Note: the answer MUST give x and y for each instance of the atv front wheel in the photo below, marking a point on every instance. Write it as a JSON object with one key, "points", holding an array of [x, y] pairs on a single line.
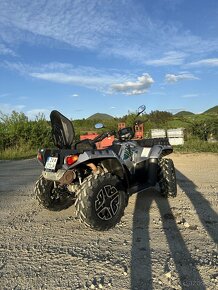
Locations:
{"points": [[167, 178], [101, 201], [52, 197]]}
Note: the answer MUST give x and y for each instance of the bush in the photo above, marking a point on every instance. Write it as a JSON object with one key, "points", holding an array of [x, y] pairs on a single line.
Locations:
{"points": [[20, 137], [17, 133], [196, 145], [204, 129]]}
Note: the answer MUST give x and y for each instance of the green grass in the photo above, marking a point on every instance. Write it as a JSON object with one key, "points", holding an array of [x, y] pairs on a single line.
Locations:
{"points": [[190, 146], [195, 145], [17, 153]]}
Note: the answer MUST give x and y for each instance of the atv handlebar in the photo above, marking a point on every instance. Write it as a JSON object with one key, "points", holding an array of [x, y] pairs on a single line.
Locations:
{"points": [[103, 135]]}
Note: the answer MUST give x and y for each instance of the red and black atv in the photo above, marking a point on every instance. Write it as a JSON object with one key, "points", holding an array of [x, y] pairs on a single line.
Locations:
{"points": [[100, 181]]}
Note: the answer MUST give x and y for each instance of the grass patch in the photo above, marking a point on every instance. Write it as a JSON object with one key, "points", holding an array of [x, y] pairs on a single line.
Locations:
{"points": [[190, 146], [196, 145], [18, 153]]}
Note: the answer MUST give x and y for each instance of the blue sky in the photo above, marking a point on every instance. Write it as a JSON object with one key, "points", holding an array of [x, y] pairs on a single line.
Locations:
{"points": [[110, 56]]}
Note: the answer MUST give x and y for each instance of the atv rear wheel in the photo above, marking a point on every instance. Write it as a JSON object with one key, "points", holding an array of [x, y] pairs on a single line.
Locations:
{"points": [[52, 197], [167, 178], [101, 201]]}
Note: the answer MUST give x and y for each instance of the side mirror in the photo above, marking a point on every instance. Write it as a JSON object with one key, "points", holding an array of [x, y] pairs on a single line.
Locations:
{"points": [[99, 126], [141, 109]]}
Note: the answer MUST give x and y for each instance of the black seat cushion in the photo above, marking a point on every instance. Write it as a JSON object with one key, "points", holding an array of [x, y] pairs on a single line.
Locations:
{"points": [[84, 145]]}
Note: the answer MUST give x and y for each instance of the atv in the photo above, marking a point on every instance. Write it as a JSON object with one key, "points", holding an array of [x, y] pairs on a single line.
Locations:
{"points": [[100, 181]]}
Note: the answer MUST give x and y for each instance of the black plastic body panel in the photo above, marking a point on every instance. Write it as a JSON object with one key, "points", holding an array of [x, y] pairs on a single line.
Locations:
{"points": [[60, 153]]}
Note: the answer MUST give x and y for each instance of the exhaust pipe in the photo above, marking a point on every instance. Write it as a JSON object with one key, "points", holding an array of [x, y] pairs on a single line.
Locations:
{"points": [[62, 176]]}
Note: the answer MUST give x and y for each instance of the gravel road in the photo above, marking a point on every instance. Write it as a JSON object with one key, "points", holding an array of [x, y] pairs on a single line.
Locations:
{"points": [[159, 244]]}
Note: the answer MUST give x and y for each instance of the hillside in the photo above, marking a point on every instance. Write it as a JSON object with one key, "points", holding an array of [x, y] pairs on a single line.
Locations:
{"points": [[183, 113], [213, 110], [100, 116]]}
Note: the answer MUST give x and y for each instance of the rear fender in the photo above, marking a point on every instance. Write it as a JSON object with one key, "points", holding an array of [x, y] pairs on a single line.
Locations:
{"points": [[113, 165], [107, 158], [92, 156]]}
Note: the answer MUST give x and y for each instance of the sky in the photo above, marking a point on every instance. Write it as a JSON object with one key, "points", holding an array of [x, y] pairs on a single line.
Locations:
{"points": [[109, 56]]}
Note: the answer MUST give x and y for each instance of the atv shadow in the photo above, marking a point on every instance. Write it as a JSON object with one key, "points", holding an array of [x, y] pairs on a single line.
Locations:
{"points": [[142, 255]]}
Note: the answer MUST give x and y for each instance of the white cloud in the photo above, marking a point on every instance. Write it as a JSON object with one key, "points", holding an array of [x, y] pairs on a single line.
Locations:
{"points": [[172, 78], [75, 95], [134, 88], [102, 28], [4, 95], [210, 62], [170, 58], [8, 108], [31, 114], [4, 50], [65, 78], [89, 77], [77, 23], [190, 96]]}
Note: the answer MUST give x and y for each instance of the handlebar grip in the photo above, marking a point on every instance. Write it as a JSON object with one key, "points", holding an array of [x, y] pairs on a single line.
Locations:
{"points": [[103, 136], [99, 138]]}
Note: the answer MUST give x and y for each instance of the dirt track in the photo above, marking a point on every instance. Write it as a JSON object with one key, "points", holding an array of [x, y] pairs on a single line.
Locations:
{"points": [[160, 244]]}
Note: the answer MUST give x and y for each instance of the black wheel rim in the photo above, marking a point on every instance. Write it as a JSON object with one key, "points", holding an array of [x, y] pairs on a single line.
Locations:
{"points": [[107, 202]]}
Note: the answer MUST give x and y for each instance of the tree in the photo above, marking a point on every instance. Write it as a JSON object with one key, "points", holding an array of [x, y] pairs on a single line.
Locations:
{"points": [[160, 117], [204, 129]]}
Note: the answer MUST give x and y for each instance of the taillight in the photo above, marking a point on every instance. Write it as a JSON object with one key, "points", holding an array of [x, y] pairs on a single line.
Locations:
{"points": [[40, 157], [71, 159]]}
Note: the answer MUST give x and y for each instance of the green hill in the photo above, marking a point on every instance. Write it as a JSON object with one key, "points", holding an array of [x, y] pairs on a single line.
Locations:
{"points": [[213, 110], [183, 113], [100, 116]]}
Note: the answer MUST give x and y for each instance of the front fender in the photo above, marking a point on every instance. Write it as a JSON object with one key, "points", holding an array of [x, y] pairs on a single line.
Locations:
{"points": [[160, 150]]}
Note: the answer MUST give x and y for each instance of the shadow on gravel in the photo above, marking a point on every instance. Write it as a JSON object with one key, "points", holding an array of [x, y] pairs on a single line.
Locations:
{"points": [[206, 214], [143, 258]]}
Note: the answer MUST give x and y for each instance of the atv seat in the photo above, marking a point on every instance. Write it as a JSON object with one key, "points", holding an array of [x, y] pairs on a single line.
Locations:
{"points": [[62, 130], [64, 136]]}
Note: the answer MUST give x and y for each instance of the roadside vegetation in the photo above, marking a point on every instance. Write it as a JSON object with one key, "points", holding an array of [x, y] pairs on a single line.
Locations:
{"points": [[21, 137]]}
